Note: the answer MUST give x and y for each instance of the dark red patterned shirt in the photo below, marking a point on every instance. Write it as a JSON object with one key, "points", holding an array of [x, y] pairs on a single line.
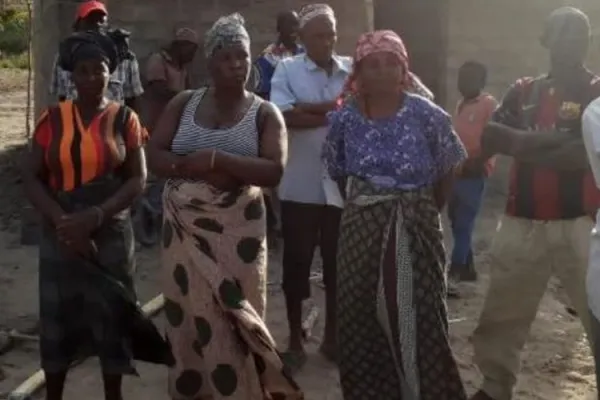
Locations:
{"points": [[543, 193]]}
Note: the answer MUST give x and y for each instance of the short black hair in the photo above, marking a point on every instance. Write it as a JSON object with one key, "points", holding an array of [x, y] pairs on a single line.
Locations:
{"points": [[284, 17], [476, 70]]}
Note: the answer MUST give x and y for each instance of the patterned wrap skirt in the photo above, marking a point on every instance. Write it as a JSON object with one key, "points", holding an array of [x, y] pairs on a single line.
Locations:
{"points": [[214, 263], [77, 313], [392, 321]]}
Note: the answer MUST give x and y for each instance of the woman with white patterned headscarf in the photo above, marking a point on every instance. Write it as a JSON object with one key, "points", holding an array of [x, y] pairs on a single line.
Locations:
{"points": [[218, 146]]}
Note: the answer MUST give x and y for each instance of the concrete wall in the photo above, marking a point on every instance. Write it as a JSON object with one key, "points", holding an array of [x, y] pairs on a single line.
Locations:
{"points": [[154, 21], [505, 36]]}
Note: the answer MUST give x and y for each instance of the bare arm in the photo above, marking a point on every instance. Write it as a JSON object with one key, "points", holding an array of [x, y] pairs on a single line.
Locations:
{"points": [[297, 116], [266, 170], [135, 172], [133, 169], [317, 108], [161, 161], [34, 175], [307, 116], [551, 148], [160, 90], [570, 155], [299, 119]]}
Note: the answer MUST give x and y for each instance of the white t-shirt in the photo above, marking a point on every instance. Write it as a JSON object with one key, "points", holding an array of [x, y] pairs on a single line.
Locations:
{"points": [[590, 126]]}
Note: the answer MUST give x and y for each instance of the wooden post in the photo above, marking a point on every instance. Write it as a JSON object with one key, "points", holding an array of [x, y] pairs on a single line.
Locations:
{"points": [[53, 20]]}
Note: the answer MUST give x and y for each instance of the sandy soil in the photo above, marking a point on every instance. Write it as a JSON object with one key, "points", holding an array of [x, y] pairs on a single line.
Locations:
{"points": [[556, 362]]}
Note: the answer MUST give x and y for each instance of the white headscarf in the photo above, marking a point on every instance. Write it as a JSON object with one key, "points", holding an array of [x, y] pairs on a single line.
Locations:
{"points": [[226, 31]]}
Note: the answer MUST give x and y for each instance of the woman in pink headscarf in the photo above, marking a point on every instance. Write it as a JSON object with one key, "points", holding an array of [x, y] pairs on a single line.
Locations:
{"points": [[394, 152]]}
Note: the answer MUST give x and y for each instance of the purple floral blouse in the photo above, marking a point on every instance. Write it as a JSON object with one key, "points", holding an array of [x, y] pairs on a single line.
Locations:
{"points": [[410, 150]]}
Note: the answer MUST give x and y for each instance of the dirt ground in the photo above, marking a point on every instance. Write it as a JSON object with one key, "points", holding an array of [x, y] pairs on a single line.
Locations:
{"points": [[556, 362]]}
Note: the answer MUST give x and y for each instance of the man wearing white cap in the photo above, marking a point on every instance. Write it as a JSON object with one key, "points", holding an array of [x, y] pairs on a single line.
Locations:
{"points": [[305, 87]]}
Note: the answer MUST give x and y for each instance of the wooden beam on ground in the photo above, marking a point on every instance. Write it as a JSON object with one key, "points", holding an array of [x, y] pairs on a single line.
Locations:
{"points": [[36, 381]]}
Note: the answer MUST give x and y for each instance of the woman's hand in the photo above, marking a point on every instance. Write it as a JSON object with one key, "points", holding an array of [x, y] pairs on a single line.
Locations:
{"points": [[79, 248], [199, 163], [74, 227], [222, 180]]}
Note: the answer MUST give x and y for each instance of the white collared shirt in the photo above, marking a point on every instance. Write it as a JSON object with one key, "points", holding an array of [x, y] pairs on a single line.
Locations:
{"points": [[299, 80], [590, 127]]}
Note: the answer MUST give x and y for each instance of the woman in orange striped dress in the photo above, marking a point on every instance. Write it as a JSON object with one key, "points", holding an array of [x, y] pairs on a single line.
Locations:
{"points": [[84, 168]]}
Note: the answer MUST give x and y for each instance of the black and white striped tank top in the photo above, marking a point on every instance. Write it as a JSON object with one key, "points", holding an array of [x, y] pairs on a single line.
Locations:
{"points": [[241, 139]]}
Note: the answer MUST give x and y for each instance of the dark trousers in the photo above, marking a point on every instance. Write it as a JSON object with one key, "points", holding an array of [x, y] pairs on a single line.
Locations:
{"points": [[271, 215], [304, 227]]}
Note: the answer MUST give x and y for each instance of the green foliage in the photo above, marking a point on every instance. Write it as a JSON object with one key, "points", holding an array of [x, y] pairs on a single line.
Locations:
{"points": [[15, 61], [14, 27]]}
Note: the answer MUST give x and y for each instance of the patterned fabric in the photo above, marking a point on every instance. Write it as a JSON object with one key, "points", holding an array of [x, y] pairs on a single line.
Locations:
{"points": [[76, 154], [411, 150], [76, 314], [385, 41], [392, 319], [264, 66], [227, 31], [312, 11], [542, 193], [214, 259], [124, 83]]}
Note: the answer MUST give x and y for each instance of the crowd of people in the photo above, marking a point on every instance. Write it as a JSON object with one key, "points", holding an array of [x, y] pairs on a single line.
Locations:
{"points": [[350, 155]]}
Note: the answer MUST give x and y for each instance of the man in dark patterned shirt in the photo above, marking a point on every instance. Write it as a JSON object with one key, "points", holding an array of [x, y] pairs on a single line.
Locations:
{"points": [[124, 86], [546, 229]]}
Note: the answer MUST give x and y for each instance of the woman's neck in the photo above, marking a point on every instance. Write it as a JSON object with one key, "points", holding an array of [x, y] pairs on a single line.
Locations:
{"points": [[91, 104], [382, 105], [225, 97]]}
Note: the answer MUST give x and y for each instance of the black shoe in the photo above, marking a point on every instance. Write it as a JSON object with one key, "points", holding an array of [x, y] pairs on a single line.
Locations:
{"points": [[463, 273], [452, 290]]}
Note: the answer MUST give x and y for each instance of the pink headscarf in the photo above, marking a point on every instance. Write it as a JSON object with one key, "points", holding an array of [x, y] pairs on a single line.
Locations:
{"points": [[386, 41]]}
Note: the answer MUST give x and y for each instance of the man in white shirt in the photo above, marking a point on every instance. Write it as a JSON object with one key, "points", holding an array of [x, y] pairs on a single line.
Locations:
{"points": [[305, 87], [590, 128]]}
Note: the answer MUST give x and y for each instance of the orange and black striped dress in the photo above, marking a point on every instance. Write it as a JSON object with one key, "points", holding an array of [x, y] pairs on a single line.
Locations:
{"points": [[76, 154], [82, 170]]}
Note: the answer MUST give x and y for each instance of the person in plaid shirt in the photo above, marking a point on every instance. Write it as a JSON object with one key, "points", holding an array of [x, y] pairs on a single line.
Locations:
{"points": [[124, 86]]}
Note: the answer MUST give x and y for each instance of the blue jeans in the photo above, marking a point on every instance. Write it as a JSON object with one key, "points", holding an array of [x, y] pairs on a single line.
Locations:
{"points": [[463, 207]]}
